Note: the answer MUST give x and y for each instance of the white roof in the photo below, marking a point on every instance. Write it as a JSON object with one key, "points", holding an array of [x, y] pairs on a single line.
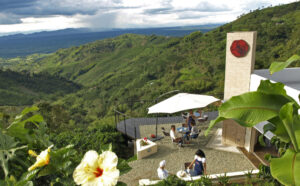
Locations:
{"points": [[288, 76]]}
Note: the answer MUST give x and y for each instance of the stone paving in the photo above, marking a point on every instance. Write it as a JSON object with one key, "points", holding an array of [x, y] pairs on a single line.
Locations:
{"points": [[218, 161]]}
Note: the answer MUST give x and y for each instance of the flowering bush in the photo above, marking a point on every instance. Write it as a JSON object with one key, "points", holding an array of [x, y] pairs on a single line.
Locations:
{"points": [[53, 165], [97, 169], [41, 160], [144, 142]]}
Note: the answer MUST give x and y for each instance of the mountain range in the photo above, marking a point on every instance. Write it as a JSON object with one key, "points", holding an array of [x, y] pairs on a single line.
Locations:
{"points": [[19, 45], [118, 72]]}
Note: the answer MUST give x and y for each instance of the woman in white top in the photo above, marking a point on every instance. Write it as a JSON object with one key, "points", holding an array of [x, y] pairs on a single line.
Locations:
{"points": [[200, 163], [161, 171], [174, 136]]}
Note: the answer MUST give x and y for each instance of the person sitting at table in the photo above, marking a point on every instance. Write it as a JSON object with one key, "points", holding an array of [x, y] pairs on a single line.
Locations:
{"points": [[187, 135], [194, 132], [191, 117], [174, 136], [200, 113], [162, 173], [200, 164]]}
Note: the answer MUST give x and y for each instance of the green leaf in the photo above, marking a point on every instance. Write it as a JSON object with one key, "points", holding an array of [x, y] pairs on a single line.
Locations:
{"points": [[123, 166], [59, 161], [286, 169], [106, 147], [266, 86], [8, 148], [253, 107], [27, 176], [17, 128], [291, 124], [250, 108], [269, 127], [277, 66], [213, 123], [280, 130], [48, 170], [29, 109], [261, 140]]}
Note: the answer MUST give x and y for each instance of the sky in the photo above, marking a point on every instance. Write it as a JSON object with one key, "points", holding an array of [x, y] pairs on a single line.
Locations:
{"points": [[27, 16]]}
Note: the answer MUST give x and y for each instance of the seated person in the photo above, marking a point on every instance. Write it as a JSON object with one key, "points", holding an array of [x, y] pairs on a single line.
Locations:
{"points": [[174, 136], [200, 113], [161, 171], [200, 164], [193, 129], [194, 132], [189, 119]]}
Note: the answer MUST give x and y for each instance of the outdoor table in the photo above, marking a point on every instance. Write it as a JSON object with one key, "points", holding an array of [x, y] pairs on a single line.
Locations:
{"points": [[182, 130]]}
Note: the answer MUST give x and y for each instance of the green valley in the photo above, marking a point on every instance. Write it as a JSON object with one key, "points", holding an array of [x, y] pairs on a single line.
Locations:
{"points": [[137, 67]]}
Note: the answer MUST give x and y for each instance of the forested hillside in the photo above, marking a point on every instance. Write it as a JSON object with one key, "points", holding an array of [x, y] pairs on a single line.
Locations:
{"points": [[23, 88], [134, 67]]}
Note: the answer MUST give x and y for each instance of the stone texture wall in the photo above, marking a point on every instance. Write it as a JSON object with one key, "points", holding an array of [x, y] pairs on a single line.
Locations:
{"points": [[237, 81]]}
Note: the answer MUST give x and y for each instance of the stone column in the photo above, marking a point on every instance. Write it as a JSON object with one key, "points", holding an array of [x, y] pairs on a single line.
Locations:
{"points": [[238, 71]]}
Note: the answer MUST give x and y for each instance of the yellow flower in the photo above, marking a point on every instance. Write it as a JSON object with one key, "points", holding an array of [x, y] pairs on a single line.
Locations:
{"points": [[41, 160], [97, 170], [32, 153]]}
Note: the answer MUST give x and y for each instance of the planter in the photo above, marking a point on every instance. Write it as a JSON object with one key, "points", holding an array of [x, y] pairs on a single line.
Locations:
{"points": [[146, 150]]}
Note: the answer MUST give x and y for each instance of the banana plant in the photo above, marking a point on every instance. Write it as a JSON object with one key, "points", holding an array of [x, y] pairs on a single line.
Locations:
{"points": [[270, 103]]}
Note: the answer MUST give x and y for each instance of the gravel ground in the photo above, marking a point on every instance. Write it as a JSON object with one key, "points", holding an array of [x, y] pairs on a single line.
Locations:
{"points": [[217, 161]]}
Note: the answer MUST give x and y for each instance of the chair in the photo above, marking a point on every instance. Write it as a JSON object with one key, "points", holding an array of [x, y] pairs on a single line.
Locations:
{"points": [[203, 119], [164, 132], [184, 115], [191, 138]]}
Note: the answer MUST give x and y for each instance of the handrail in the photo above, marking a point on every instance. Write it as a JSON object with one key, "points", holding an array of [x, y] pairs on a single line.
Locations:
{"points": [[121, 113]]}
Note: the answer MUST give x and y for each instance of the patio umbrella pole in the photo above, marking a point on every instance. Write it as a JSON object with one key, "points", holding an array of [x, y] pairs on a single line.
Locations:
{"points": [[156, 126]]}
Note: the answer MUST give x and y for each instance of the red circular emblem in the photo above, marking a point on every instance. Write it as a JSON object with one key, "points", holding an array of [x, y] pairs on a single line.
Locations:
{"points": [[239, 48]]}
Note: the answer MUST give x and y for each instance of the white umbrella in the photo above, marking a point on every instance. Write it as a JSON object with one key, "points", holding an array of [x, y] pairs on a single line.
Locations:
{"points": [[181, 102]]}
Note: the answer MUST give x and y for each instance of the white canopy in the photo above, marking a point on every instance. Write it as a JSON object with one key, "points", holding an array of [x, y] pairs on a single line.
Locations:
{"points": [[181, 102]]}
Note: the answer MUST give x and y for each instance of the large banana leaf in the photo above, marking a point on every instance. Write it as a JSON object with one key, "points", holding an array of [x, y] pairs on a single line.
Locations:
{"points": [[277, 66], [8, 147], [250, 108], [266, 86], [286, 169], [290, 119]]}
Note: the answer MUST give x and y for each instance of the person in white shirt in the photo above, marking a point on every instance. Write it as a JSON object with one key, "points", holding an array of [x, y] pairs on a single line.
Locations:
{"points": [[200, 164], [174, 136], [161, 171]]}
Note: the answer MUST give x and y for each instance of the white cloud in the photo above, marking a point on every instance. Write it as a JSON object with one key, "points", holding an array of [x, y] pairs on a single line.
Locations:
{"points": [[31, 24], [104, 14]]}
